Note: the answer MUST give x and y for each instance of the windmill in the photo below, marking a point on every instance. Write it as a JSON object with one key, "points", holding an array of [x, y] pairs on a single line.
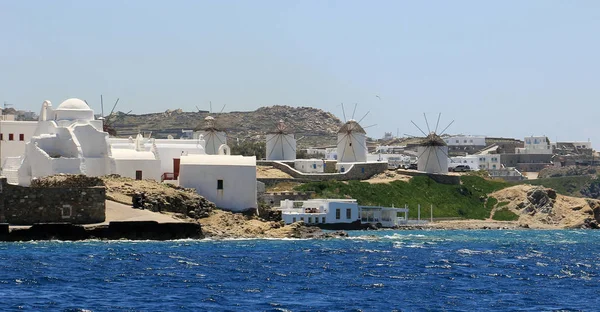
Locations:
{"points": [[432, 151], [110, 119], [212, 136], [281, 144], [352, 140]]}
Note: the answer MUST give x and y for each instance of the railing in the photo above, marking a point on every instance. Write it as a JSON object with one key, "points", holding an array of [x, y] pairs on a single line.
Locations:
{"points": [[168, 176]]}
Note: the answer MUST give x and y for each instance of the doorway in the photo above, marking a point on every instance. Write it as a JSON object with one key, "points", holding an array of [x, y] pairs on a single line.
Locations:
{"points": [[138, 174]]}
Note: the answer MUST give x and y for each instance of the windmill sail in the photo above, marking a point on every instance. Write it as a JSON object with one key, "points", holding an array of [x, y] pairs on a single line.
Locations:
{"points": [[212, 136]]}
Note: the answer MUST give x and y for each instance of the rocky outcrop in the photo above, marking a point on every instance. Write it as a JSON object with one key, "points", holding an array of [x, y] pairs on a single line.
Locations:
{"points": [[540, 207], [158, 196]]}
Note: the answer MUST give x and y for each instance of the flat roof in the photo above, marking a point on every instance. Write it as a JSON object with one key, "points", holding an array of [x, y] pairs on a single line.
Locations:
{"points": [[218, 160]]}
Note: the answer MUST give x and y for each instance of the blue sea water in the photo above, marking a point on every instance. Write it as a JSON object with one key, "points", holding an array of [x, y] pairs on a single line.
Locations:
{"points": [[371, 271]]}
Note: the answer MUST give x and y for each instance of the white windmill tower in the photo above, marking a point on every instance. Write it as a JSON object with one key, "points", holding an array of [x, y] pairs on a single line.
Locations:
{"points": [[352, 141], [432, 150], [214, 138], [281, 144]]}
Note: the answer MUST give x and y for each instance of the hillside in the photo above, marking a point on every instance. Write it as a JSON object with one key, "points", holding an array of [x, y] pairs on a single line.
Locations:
{"points": [[476, 198], [315, 127]]}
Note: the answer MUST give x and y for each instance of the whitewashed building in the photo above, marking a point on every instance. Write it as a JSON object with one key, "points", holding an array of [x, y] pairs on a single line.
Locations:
{"points": [[229, 181], [310, 165], [13, 136], [536, 145], [340, 211]]}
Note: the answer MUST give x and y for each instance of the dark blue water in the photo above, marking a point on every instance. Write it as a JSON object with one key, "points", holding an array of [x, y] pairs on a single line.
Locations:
{"points": [[408, 271]]}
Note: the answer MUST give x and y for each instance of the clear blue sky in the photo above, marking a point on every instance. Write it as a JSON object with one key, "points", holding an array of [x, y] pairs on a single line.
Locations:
{"points": [[503, 68]]}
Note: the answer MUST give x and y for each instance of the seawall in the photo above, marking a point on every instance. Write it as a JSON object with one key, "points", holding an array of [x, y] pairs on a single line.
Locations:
{"points": [[133, 230]]}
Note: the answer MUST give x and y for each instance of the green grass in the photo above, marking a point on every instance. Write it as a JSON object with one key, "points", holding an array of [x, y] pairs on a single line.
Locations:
{"points": [[490, 203], [466, 200], [570, 186], [501, 204], [505, 215]]}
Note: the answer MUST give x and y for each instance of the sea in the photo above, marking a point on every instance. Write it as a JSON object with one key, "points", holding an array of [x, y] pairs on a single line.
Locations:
{"points": [[445, 270]]}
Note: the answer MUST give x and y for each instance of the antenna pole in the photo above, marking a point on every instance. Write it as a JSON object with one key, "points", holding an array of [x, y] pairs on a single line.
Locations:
{"points": [[210, 103], [364, 116], [418, 128], [344, 112], [222, 108], [438, 122], [426, 122], [102, 105], [354, 111]]}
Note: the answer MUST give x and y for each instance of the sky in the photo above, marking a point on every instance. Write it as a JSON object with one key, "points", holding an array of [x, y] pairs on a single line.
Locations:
{"points": [[497, 68]]}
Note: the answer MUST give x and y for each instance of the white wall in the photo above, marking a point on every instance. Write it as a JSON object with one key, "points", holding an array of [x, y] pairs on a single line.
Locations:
{"points": [[352, 148], [309, 165], [325, 209], [16, 147], [433, 159], [536, 145], [465, 140], [471, 160], [281, 147], [127, 167], [202, 172], [490, 161]]}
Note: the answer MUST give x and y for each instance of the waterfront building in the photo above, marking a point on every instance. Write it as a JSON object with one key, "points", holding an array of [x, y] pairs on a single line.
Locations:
{"points": [[229, 181], [340, 211]]}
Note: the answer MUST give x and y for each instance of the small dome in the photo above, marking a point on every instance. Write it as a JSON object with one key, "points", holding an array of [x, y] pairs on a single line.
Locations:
{"points": [[73, 109], [73, 104], [207, 118]]}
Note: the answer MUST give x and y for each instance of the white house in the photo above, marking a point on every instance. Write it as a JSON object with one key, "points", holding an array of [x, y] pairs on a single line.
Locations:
{"points": [[470, 160], [13, 136], [536, 145], [137, 162], [170, 151], [340, 211], [465, 140], [229, 181], [310, 165], [325, 211], [489, 161]]}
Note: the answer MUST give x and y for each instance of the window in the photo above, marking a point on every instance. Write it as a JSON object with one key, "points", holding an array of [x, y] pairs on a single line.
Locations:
{"points": [[302, 219], [294, 220], [456, 141], [21, 137], [309, 219], [219, 184], [11, 136], [465, 141], [337, 214], [1, 136], [348, 213], [316, 219], [323, 220]]}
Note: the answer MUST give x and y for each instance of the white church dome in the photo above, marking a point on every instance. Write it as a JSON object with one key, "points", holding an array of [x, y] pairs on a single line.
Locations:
{"points": [[73, 109], [73, 104]]}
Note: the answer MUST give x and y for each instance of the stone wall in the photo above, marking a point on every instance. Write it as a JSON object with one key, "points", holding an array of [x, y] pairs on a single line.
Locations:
{"points": [[439, 178], [273, 199], [359, 171], [29, 205]]}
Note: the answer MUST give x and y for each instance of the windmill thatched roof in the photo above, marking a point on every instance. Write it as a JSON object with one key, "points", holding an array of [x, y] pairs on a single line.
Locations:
{"points": [[352, 126], [432, 140], [280, 128]]}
